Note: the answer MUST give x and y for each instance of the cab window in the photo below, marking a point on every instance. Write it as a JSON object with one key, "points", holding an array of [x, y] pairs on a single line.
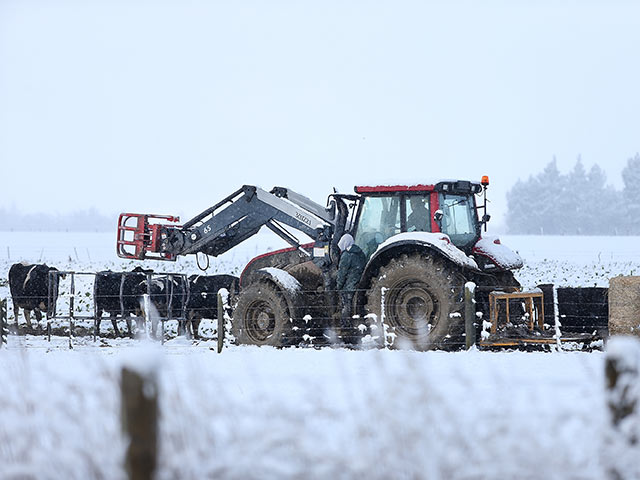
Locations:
{"points": [[458, 218], [379, 219], [418, 216]]}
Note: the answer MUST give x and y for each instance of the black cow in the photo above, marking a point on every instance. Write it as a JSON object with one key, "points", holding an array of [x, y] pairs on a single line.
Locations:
{"points": [[29, 286], [203, 298], [163, 291], [119, 294]]}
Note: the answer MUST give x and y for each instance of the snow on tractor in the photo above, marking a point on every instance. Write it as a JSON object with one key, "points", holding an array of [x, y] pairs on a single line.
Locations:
{"points": [[422, 244]]}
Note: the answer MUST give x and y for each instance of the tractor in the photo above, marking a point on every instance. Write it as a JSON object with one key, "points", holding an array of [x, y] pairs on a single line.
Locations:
{"points": [[422, 243]]}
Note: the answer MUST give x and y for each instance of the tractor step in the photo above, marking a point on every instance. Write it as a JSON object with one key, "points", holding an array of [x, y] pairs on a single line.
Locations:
{"points": [[139, 236]]}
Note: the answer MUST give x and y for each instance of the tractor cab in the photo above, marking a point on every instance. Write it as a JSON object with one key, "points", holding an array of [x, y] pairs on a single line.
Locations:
{"points": [[448, 207]]}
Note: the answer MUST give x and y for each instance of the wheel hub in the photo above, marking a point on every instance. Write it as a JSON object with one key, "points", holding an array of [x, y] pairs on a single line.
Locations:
{"points": [[412, 308], [260, 321], [418, 308]]}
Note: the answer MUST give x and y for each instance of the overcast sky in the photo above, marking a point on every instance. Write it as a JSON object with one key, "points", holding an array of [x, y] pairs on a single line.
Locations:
{"points": [[167, 107]]}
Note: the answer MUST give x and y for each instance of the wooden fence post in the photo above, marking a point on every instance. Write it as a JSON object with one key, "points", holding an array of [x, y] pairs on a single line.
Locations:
{"points": [[469, 314], [140, 422], [3, 322], [622, 441], [221, 322], [387, 337], [72, 299]]}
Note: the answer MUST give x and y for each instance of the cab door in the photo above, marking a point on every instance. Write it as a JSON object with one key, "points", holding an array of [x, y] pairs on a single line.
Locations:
{"points": [[378, 219]]}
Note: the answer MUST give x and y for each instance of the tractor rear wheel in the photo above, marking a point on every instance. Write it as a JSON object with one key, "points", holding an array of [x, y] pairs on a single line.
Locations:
{"points": [[261, 317], [420, 299]]}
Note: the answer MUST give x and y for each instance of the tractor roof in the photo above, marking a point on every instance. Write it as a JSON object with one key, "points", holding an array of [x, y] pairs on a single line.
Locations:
{"points": [[393, 188], [453, 186]]}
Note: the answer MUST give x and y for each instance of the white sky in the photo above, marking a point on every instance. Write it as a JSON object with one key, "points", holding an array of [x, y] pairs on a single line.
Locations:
{"points": [[168, 107]]}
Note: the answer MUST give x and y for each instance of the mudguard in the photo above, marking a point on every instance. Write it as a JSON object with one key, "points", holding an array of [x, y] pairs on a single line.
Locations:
{"points": [[288, 285], [499, 255], [437, 242]]}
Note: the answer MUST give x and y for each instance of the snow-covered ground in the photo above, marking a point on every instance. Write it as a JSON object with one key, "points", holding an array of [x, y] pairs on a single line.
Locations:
{"points": [[572, 261], [300, 413], [305, 413], [547, 258]]}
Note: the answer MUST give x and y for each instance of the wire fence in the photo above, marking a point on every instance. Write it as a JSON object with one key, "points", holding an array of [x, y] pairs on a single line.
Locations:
{"points": [[77, 302]]}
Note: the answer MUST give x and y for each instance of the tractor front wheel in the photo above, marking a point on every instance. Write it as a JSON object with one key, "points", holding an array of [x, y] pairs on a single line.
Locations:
{"points": [[261, 317]]}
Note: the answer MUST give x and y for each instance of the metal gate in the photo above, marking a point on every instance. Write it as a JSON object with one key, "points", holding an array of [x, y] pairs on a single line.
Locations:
{"points": [[167, 298]]}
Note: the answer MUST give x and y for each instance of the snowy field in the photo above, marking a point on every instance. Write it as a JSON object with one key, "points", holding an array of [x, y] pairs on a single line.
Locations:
{"points": [[565, 260], [252, 413], [302, 413]]}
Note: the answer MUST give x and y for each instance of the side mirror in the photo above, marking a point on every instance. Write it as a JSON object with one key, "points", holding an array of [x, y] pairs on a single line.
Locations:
{"points": [[437, 217], [331, 210], [485, 218]]}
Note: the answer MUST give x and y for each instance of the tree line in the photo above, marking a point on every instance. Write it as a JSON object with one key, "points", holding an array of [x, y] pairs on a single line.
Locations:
{"points": [[577, 203], [81, 221]]}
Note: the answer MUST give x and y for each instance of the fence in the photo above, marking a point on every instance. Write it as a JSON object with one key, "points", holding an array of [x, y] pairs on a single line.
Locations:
{"points": [[411, 318], [400, 319], [158, 297], [164, 291]]}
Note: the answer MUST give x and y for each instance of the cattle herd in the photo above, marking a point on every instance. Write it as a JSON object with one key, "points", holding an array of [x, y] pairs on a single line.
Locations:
{"points": [[123, 295]]}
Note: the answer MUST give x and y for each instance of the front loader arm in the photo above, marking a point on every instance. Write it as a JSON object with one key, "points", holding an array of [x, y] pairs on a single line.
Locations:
{"points": [[223, 226]]}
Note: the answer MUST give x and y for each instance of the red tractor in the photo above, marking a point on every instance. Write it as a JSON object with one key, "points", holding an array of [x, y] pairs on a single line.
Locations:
{"points": [[422, 244]]}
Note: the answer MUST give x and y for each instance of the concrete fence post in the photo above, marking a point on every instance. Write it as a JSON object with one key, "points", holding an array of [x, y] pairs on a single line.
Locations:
{"points": [[139, 409], [622, 438], [469, 315]]}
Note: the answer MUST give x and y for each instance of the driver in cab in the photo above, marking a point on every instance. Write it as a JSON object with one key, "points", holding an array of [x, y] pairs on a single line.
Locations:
{"points": [[418, 219]]}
